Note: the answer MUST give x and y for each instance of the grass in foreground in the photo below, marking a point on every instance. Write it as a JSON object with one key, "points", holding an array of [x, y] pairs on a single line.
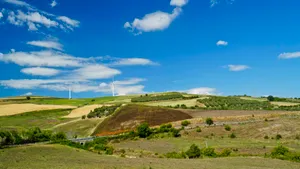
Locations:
{"points": [[62, 157], [42, 119]]}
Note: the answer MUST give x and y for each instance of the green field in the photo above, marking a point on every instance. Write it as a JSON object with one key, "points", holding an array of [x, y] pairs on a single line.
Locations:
{"points": [[57, 156], [43, 119], [81, 128]]}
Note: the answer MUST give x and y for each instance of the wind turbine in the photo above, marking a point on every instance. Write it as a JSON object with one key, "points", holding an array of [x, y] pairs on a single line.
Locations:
{"points": [[113, 87], [70, 93]]}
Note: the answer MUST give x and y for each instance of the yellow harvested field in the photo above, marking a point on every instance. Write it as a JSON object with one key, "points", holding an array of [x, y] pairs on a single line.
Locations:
{"points": [[12, 109], [189, 103], [85, 110], [284, 103]]}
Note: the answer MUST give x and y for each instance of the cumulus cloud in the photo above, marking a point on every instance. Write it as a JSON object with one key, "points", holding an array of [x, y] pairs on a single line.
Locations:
{"points": [[1, 15], [69, 21], [31, 19], [53, 4], [46, 44], [27, 94], [95, 72], [202, 90], [36, 18], [40, 71], [222, 43], [43, 58], [291, 55], [237, 68], [178, 3], [156, 21], [31, 83], [133, 61]]}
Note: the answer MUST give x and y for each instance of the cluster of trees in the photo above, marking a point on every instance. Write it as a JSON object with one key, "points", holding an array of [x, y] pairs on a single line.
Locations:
{"points": [[102, 111], [32, 135], [149, 98], [195, 152], [234, 103], [284, 153]]}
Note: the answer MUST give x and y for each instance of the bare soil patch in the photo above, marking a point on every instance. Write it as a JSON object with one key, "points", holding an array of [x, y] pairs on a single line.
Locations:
{"points": [[12, 109]]}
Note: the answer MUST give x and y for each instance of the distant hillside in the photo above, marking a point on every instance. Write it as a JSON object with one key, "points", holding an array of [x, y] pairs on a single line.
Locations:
{"points": [[129, 116]]}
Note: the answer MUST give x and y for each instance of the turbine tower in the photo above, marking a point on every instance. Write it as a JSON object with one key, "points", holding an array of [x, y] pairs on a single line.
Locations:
{"points": [[70, 93], [113, 87]]}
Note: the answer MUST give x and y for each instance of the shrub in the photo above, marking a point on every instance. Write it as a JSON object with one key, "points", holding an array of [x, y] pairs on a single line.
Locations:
{"points": [[175, 155], [232, 135], [185, 123], [278, 137], [198, 130], [209, 121], [193, 152], [227, 128], [60, 136], [266, 137], [144, 130], [183, 106], [175, 132], [165, 128], [28, 97], [83, 117], [280, 150], [209, 152], [225, 152], [109, 150]]}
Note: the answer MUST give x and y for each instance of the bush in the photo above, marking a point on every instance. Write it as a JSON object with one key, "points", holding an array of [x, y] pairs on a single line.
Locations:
{"points": [[270, 98], [57, 137], [209, 121], [227, 128], [109, 150], [280, 150], [185, 123], [83, 117], [103, 111], [144, 130], [193, 152], [266, 137], [198, 130], [209, 152], [278, 137], [175, 132], [232, 135], [225, 152], [165, 128], [175, 155], [28, 97]]}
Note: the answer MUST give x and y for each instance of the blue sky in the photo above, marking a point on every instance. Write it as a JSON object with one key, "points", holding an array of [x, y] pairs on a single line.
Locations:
{"points": [[206, 47]]}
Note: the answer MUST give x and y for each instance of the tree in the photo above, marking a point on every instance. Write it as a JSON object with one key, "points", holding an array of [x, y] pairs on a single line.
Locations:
{"points": [[209, 121], [270, 98], [83, 117], [185, 123], [144, 130], [28, 97], [194, 151]]}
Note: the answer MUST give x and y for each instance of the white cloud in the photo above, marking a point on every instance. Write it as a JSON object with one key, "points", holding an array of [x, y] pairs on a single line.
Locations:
{"points": [[222, 43], [18, 3], [31, 19], [202, 90], [1, 15], [69, 21], [237, 68], [216, 2], [95, 72], [43, 58], [131, 81], [133, 61], [53, 4], [153, 22], [213, 2], [36, 18], [179, 3], [125, 90], [40, 71], [30, 83], [27, 94], [12, 50], [292, 55], [47, 44]]}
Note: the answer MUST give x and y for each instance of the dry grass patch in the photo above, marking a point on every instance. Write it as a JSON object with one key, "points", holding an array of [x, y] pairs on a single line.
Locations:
{"points": [[13, 109], [85, 110]]}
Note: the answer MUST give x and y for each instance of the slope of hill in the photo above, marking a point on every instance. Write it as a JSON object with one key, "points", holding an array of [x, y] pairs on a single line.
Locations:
{"points": [[129, 116]]}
